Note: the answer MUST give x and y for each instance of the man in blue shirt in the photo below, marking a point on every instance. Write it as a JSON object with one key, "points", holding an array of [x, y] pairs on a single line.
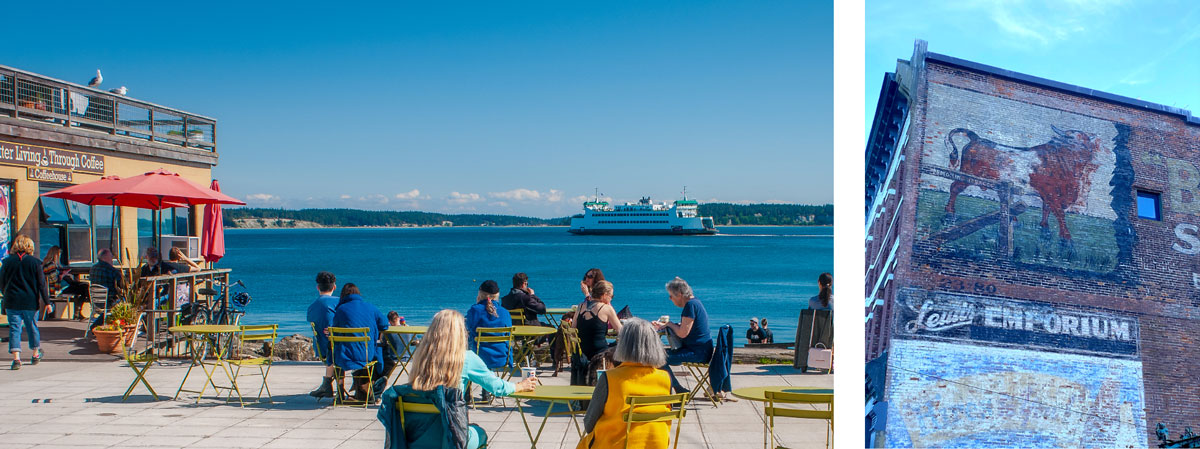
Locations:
{"points": [[355, 312], [692, 329], [320, 314]]}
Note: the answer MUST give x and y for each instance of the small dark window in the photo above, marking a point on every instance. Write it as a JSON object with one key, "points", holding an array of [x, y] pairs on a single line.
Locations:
{"points": [[1149, 205]]}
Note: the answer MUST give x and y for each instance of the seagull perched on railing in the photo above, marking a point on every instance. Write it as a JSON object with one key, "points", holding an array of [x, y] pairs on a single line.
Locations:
{"points": [[119, 91], [97, 80]]}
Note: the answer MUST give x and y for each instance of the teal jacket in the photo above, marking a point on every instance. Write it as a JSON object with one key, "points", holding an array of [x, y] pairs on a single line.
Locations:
{"points": [[445, 430]]}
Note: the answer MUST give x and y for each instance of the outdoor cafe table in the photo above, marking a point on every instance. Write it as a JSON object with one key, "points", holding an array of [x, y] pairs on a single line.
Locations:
{"points": [[407, 353], [198, 348], [552, 394], [553, 314], [528, 336]]}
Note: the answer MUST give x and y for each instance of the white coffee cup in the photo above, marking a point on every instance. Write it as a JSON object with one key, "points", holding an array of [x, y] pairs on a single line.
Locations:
{"points": [[664, 319]]}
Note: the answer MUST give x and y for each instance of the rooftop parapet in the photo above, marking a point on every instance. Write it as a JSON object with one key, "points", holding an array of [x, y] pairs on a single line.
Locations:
{"points": [[38, 98]]}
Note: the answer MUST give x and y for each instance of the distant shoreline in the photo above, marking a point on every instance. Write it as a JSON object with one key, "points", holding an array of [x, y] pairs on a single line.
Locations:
{"points": [[317, 226]]}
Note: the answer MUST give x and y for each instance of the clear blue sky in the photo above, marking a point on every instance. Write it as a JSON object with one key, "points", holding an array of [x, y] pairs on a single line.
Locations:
{"points": [[1149, 50], [504, 107]]}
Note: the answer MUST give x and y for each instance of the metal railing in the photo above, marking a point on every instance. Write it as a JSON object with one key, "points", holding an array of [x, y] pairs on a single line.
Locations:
{"points": [[34, 97]]}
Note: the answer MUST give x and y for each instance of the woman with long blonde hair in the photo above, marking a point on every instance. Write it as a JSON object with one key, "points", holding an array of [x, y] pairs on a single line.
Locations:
{"points": [[442, 359]]}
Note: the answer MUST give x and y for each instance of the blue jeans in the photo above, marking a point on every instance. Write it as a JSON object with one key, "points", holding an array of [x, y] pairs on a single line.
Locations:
{"points": [[23, 319], [695, 354]]}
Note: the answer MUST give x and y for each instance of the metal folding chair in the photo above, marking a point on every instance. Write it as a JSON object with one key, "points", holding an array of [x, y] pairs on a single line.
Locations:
{"points": [[98, 298], [638, 413], [139, 362], [517, 315], [351, 336], [771, 410], [256, 333], [498, 335], [699, 371]]}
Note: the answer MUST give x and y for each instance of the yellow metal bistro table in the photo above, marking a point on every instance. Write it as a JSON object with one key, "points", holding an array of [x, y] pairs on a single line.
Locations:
{"points": [[407, 353], [198, 341], [552, 394], [529, 336], [760, 393]]}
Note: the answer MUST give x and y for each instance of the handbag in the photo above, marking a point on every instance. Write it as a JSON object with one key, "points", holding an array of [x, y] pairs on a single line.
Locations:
{"points": [[818, 358]]}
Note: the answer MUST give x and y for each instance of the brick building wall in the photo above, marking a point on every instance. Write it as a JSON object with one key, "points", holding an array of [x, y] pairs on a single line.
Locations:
{"points": [[1079, 311]]}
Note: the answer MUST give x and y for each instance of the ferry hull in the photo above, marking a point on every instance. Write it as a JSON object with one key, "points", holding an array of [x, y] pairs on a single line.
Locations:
{"points": [[642, 231]]}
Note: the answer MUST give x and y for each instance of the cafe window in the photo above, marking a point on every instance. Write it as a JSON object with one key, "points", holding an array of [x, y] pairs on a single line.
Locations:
{"points": [[173, 221], [72, 227]]}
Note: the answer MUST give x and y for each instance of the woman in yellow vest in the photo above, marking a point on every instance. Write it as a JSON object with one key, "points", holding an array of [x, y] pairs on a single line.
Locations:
{"points": [[640, 353]]}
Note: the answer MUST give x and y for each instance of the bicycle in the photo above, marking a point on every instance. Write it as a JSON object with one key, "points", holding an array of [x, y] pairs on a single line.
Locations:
{"points": [[193, 313]]}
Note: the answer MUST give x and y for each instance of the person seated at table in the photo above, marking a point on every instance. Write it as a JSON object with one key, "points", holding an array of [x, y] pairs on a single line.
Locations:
{"points": [[393, 344], [590, 278], [696, 343], [483, 314], [155, 266], [768, 336], [443, 360], [640, 354], [755, 334], [521, 297], [592, 319], [354, 311], [60, 281], [105, 274], [320, 314], [181, 263]]}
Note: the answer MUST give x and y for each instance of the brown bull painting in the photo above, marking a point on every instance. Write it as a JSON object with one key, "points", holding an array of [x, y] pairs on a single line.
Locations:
{"points": [[1058, 171]]}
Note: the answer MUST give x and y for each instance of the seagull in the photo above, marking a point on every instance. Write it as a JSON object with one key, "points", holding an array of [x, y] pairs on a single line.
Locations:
{"points": [[97, 80], [119, 91]]}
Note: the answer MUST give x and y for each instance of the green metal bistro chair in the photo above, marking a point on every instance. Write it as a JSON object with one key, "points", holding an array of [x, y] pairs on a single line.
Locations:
{"points": [[699, 371], [417, 407], [771, 410], [498, 335], [677, 412], [139, 362], [351, 336], [265, 333], [517, 315]]}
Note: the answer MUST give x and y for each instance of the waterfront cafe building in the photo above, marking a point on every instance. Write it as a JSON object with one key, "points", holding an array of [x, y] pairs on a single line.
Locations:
{"points": [[54, 134]]}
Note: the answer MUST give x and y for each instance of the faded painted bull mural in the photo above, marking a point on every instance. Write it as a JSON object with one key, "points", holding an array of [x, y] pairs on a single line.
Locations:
{"points": [[1037, 186]]}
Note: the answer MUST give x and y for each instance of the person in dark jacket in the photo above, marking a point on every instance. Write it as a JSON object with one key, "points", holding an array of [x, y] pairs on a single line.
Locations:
{"points": [[355, 311], [768, 336], [25, 293], [320, 314], [755, 334], [521, 297]]}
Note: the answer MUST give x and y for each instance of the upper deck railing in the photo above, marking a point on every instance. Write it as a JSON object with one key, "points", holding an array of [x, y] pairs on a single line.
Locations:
{"points": [[35, 97]]}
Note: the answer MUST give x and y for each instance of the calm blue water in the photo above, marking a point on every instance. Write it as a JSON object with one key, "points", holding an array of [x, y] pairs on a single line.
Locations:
{"points": [[768, 272]]}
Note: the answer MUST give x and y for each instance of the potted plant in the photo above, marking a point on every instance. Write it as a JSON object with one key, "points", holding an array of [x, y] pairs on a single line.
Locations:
{"points": [[108, 337], [121, 315]]}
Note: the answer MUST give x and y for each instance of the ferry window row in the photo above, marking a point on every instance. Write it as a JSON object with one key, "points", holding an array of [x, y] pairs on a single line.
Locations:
{"points": [[632, 221], [637, 215]]}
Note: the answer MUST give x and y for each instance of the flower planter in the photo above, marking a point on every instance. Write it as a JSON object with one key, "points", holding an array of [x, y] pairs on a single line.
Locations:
{"points": [[108, 341]]}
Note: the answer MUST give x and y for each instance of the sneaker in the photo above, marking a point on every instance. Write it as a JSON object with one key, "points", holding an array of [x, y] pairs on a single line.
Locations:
{"points": [[37, 357], [16, 365]]}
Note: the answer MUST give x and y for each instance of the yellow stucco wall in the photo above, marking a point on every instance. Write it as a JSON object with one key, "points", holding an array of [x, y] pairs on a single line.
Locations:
{"points": [[124, 165]]}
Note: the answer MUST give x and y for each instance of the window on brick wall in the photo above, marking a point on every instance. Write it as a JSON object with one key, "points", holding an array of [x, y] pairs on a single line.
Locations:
{"points": [[1149, 205]]}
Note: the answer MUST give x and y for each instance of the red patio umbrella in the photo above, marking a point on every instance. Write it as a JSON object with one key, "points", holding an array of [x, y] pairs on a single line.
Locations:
{"points": [[212, 237], [154, 190]]}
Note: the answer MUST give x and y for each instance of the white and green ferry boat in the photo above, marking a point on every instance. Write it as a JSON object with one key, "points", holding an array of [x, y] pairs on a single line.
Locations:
{"points": [[642, 218]]}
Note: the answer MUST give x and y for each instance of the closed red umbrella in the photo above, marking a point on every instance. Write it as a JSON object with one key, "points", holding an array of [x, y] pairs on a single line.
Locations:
{"points": [[212, 237]]}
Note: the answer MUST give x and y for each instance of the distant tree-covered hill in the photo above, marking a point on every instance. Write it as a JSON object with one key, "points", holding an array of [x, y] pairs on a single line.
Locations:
{"points": [[722, 213], [768, 214]]}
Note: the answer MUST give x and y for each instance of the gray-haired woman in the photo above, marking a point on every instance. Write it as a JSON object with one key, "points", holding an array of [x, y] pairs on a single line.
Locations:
{"points": [[696, 343], [640, 352]]}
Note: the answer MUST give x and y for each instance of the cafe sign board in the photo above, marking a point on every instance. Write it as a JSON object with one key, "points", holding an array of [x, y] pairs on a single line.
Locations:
{"points": [[37, 156], [47, 175]]}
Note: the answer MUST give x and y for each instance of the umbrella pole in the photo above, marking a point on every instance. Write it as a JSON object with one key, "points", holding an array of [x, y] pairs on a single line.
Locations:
{"points": [[112, 229]]}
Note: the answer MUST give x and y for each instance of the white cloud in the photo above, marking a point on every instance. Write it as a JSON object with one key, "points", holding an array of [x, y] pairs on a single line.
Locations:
{"points": [[579, 199], [463, 198], [499, 203], [261, 197], [552, 195], [409, 195], [345, 197]]}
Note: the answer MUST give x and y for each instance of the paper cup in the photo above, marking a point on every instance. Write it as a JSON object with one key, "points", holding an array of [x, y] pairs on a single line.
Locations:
{"points": [[664, 319], [527, 371]]}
